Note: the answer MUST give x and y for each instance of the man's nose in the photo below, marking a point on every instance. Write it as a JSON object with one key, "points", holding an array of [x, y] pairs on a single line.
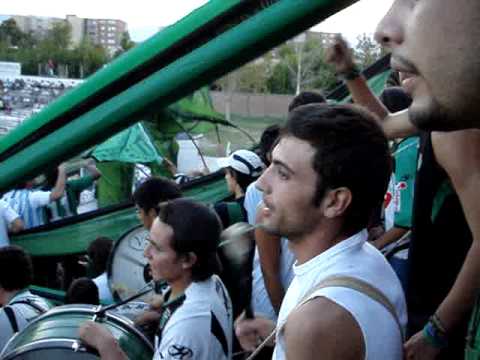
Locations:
{"points": [[390, 32]]}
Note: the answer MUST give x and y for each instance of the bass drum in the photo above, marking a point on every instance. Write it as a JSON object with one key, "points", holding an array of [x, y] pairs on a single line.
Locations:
{"points": [[128, 270], [131, 310], [54, 336]]}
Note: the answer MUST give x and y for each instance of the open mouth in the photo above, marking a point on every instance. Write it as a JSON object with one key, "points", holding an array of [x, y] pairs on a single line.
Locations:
{"points": [[266, 209], [408, 74]]}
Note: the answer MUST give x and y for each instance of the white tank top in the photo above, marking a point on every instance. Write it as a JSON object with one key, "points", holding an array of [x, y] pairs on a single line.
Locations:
{"points": [[353, 257]]}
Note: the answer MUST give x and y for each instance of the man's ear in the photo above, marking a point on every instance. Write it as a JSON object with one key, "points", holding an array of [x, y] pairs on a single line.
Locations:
{"points": [[336, 202], [152, 214], [189, 260]]}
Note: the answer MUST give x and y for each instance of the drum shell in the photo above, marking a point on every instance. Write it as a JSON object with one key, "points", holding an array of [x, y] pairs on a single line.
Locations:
{"points": [[58, 329]]}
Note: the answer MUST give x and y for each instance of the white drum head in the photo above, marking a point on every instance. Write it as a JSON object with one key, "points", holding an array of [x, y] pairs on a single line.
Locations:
{"points": [[128, 270]]}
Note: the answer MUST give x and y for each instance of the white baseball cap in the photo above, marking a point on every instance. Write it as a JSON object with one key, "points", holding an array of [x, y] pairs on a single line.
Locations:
{"points": [[243, 161]]}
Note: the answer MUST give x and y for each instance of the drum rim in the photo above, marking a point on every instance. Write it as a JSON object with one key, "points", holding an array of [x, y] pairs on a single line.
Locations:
{"points": [[90, 309], [60, 343], [110, 257]]}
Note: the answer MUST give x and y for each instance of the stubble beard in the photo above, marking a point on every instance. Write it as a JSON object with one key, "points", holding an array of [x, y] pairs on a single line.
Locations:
{"points": [[436, 117]]}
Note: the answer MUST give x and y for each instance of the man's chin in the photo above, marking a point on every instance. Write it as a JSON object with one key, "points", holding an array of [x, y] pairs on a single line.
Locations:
{"points": [[433, 117], [271, 228]]}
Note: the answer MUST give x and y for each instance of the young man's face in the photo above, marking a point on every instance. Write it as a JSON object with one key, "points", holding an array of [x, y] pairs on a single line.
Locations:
{"points": [[146, 218], [436, 43], [165, 264], [288, 187], [230, 179]]}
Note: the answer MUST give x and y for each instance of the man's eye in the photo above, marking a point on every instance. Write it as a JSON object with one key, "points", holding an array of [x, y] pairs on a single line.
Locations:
{"points": [[282, 174]]}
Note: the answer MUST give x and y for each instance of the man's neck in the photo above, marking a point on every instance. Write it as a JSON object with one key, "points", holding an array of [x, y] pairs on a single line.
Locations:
{"points": [[239, 193], [7, 296], [179, 286], [313, 244]]}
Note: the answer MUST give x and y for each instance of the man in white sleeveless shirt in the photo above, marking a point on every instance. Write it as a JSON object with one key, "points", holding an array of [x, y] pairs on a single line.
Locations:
{"points": [[329, 171]]}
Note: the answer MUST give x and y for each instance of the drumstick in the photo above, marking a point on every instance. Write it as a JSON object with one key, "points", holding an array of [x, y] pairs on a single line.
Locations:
{"points": [[103, 309]]}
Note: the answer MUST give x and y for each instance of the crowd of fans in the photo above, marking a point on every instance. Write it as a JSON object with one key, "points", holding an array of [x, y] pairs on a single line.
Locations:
{"points": [[375, 205], [20, 97]]}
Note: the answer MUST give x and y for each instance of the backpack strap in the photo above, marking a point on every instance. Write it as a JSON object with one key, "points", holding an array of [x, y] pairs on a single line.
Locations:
{"points": [[357, 285], [11, 317]]}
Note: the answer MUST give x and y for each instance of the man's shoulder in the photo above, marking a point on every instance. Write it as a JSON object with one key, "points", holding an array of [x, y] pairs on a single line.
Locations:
{"points": [[321, 318]]}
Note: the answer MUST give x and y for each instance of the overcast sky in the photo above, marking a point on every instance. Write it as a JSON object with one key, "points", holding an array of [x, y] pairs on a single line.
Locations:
{"points": [[144, 17]]}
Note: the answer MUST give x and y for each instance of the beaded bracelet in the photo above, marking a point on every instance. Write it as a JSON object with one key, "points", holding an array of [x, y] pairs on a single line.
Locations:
{"points": [[435, 335]]}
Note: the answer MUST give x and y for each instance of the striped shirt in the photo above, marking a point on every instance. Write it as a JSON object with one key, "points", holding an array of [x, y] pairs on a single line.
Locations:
{"points": [[28, 204]]}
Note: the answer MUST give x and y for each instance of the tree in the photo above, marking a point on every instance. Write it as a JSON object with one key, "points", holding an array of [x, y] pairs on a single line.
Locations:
{"points": [[126, 43], [88, 58], [10, 33], [367, 51], [300, 66]]}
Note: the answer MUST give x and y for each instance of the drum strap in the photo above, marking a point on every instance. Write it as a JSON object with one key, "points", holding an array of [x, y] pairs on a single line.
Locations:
{"points": [[11, 317], [167, 311], [11, 313], [32, 304], [218, 332]]}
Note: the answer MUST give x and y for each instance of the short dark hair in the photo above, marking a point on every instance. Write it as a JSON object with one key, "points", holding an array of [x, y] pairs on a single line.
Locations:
{"points": [[82, 291], [351, 150], [154, 191], [395, 99], [196, 228], [98, 251], [267, 141], [243, 180], [16, 269], [305, 98]]}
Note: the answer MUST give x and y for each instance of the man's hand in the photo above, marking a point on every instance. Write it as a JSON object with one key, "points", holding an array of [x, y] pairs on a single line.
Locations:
{"points": [[375, 232], [98, 337], [95, 335], [340, 55], [153, 315], [251, 332], [417, 347]]}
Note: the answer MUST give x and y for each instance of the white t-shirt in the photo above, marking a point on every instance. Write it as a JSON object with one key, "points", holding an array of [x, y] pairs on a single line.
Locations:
{"points": [[24, 313], [202, 327], [353, 257], [253, 196], [7, 216], [103, 290], [28, 204], [260, 300]]}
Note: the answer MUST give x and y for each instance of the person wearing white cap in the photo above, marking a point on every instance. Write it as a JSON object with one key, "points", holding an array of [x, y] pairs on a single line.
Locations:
{"points": [[242, 168]]}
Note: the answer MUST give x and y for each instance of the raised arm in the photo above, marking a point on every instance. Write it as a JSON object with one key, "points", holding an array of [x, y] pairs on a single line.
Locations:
{"points": [[59, 188], [16, 226], [92, 169], [394, 125], [459, 154]]}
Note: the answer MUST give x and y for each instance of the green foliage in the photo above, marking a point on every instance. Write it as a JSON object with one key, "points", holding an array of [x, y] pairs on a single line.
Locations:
{"points": [[126, 44], [367, 51], [55, 47], [10, 34], [291, 67]]}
